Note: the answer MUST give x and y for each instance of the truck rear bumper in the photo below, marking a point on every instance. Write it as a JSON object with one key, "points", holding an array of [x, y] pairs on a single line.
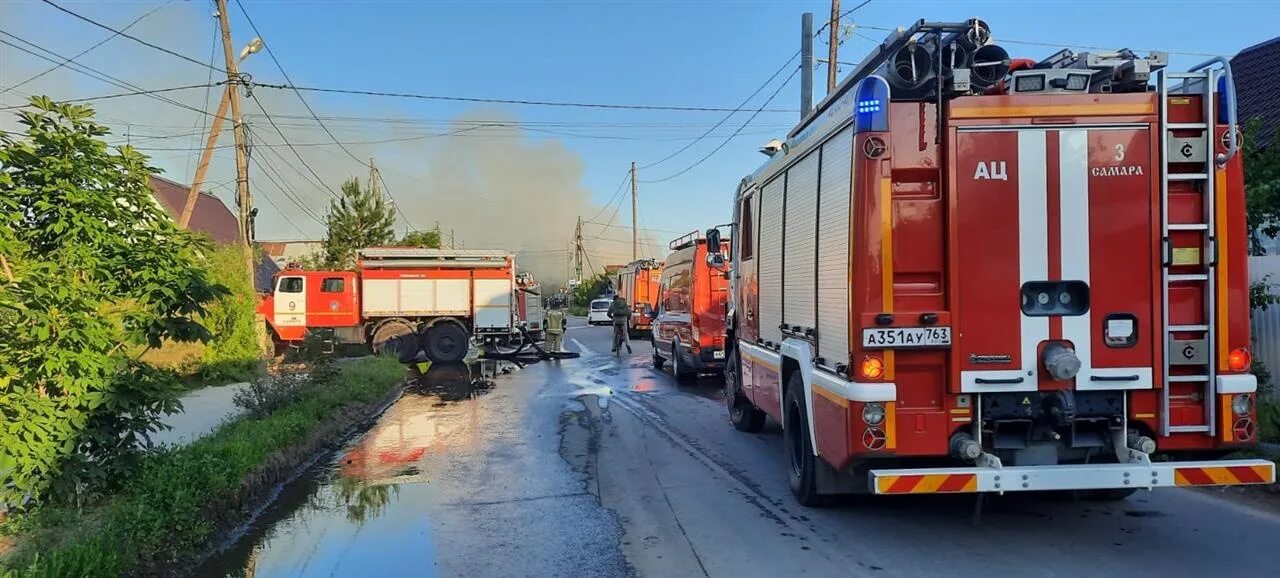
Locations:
{"points": [[1072, 477]]}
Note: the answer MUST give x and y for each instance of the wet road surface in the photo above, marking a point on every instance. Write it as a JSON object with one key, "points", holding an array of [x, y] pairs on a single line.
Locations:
{"points": [[602, 466]]}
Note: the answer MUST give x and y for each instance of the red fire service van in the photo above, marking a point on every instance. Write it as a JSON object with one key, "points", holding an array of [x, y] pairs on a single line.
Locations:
{"points": [[436, 300], [638, 284], [689, 312], [965, 273]]}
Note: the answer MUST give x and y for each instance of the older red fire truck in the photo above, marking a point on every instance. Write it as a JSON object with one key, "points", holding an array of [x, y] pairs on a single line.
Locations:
{"points": [[638, 284], [408, 299], [962, 273]]}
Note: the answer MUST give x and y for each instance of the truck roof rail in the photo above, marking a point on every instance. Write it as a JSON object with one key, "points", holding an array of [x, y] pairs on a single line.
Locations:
{"points": [[685, 240]]}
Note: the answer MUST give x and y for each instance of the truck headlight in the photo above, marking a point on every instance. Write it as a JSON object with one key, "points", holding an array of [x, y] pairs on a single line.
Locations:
{"points": [[1241, 404], [873, 413]]}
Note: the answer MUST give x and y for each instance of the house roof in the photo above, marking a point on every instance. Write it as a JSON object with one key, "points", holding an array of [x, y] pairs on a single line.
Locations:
{"points": [[210, 215], [1257, 76]]}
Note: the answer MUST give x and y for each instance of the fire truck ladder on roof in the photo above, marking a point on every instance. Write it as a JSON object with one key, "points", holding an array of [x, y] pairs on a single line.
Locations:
{"points": [[1195, 163]]}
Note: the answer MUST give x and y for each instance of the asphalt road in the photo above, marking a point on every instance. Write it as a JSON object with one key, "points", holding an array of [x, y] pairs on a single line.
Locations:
{"points": [[602, 466]]}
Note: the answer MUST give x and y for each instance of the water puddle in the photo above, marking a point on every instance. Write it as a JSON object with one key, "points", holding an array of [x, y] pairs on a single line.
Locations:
{"points": [[340, 517]]}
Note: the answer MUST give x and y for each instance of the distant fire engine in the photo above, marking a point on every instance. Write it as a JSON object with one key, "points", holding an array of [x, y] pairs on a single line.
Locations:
{"points": [[638, 283], [962, 273], [436, 300]]}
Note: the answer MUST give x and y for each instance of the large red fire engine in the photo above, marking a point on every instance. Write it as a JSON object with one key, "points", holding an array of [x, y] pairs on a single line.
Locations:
{"points": [[436, 300], [963, 273], [638, 284]]}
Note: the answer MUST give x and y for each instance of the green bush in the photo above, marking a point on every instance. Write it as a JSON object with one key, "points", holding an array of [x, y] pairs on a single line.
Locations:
{"points": [[1269, 420], [233, 354], [90, 268], [177, 499]]}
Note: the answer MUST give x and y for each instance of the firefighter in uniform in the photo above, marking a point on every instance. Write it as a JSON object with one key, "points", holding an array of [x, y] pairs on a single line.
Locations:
{"points": [[555, 326], [620, 313]]}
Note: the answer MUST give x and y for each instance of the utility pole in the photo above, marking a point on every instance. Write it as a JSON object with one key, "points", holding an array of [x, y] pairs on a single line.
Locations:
{"points": [[834, 45], [243, 199], [577, 252], [806, 64], [373, 179], [635, 233], [185, 217]]}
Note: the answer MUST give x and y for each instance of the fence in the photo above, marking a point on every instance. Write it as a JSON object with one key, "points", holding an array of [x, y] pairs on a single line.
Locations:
{"points": [[1266, 324]]}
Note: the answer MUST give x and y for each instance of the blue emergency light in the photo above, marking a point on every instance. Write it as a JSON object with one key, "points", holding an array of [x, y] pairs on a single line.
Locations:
{"points": [[871, 98]]}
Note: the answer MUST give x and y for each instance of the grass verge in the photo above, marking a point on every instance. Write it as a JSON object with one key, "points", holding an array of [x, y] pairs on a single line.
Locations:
{"points": [[1269, 420], [179, 499]]}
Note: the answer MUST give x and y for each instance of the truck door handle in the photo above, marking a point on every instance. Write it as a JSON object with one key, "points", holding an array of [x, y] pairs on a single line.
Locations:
{"points": [[1114, 378], [986, 381], [750, 313]]}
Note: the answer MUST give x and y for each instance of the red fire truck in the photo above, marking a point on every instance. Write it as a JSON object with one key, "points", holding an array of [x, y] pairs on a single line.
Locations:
{"points": [[962, 273], [638, 284], [436, 300], [688, 313]]}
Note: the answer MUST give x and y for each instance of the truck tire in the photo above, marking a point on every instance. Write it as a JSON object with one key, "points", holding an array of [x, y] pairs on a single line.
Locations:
{"points": [[802, 464], [446, 343], [743, 414], [395, 336], [683, 375]]}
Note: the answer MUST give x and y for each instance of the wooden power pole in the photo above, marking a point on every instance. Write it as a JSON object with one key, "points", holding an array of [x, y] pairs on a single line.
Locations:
{"points": [[243, 198], [635, 233], [834, 46], [373, 179], [184, 218], [577, 250]]}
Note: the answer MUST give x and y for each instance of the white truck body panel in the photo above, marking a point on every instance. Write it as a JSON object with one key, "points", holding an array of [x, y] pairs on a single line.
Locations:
{"points": [[493, 304], [833, 249]]}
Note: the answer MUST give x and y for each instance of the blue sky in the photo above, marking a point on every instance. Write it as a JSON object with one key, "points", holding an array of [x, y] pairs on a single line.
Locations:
{"points": [[706, 54]]}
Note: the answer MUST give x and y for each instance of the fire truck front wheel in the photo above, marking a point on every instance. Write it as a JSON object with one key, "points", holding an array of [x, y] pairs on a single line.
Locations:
{"points": [[446, 342], [802, 464], [742, 413]]}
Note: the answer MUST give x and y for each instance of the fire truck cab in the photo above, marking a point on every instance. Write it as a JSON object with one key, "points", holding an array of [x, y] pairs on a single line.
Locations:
{"points": [[954, 277]]}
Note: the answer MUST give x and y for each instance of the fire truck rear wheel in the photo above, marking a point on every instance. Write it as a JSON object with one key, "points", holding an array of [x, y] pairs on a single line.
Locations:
{"points": [[742, 414], [446, 342], [802, 465]]}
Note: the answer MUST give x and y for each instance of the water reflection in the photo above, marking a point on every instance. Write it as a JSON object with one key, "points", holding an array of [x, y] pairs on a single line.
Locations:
{"points": [[313, 526]]}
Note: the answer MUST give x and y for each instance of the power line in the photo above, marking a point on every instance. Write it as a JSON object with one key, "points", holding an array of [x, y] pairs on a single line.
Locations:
{"points": [[509, 101], [122, 94], [621, 186], [132, 37], [654, 229], [731, 137], [726, 117], [90, 72], [202, 119], [89, 49], [272, 121], [827, 24]]}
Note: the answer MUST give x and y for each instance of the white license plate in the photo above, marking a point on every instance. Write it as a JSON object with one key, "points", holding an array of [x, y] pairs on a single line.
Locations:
{"points": [[717, 354], [900, 337]]}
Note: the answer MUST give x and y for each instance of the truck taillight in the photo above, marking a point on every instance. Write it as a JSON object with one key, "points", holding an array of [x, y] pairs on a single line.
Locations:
{"points": [[871, 368], [1239, 360]]}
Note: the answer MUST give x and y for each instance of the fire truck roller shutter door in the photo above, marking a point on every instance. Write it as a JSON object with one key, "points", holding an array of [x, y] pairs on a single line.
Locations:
{"points": [[799, 275], [833, 249], [769, 258]]}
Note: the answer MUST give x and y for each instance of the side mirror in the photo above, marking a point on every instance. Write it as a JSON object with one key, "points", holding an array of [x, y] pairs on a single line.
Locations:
{"points": [[713, 241], [715, 260]]}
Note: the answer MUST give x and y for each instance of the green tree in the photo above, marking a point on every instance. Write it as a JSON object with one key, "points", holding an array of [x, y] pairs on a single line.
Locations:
{"points": [[1261, 186], [425, 239], [591, 288], [357, 219], [90, 265]]}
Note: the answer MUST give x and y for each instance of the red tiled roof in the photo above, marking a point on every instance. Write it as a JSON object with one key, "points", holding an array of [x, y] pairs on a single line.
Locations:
{"points": [[210, 216]]}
